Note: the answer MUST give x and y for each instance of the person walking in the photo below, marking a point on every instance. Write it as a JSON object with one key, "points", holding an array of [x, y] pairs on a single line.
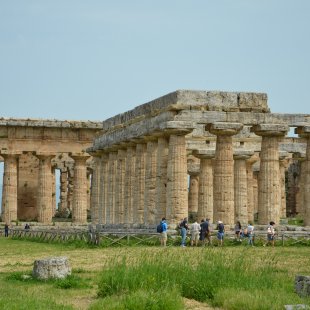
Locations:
{"points": [[184, 227], [250, 229], [220, 232], [163, 234], [195, 229], [238, 230], [6, 230], [205, 231]]}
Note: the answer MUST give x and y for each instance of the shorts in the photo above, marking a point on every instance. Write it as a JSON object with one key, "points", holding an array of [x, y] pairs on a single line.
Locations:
{"points": [[163, 235], [270, 237], [220, 235], [195, 235]]}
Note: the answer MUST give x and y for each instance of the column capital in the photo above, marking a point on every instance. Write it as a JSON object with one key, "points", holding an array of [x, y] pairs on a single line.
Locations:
{"points": [[204, 154], [224, 128], [178, 128], [275, 130], [79, 156], [243, 154], [193, 165], [5, 153], [299, 156], [43, 155], [303, 131], [95, 153]]}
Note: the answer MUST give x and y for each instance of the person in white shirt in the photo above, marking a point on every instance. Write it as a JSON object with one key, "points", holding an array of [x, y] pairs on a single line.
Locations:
{"points": [[195, 229], [270, 233], [250, 234]]}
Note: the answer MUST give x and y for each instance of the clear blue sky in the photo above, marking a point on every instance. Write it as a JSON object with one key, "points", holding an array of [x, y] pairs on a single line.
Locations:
{"points": [[90, 60]]}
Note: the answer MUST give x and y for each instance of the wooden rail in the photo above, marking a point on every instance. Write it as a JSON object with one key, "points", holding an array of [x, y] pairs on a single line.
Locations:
{"points": [[134, 238]]}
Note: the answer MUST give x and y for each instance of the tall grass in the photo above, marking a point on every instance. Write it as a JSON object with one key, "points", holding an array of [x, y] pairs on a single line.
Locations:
{"points": [[214, 276]]}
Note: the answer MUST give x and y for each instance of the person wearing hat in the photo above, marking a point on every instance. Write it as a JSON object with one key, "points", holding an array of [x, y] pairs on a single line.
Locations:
{"points": [[220, 232]]}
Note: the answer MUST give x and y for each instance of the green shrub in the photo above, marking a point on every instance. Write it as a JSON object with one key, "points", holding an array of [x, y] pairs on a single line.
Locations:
{"points": [[162, 298], [69, 282]]}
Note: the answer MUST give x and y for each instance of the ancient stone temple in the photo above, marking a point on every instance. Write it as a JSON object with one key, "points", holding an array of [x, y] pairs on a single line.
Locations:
{"points": [[32, 150], [197, 154], [192, 153]]}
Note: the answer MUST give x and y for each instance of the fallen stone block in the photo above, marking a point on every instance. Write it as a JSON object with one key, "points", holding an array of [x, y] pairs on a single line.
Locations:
{"points": [[51, 268]]}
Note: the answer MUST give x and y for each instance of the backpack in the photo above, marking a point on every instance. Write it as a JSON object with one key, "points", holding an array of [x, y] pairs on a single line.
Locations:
{"points": [[159, 228]]}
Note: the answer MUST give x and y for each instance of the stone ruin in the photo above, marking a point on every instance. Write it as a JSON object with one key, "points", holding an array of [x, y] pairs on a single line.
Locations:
{"points": [[220, 155], [234, 150], [302, 285], [51, 268]]}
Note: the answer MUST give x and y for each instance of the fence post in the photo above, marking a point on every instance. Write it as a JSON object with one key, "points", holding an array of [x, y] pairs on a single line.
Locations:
{"points": [[282, 239]]}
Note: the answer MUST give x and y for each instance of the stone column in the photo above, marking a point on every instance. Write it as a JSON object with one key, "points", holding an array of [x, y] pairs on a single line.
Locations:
{"points": [[150, 212], [297, 196], [223, 190], [305, 133], [205, 196], [70, 188], [241, 185], [79, 199], [255, 191], [129, 184], [193, 194], [88, 184], [103, 191], [120, 187], [63, 189], [110, 210], [45, 190], [284, 163], [177, 185], [95, 187], [161, 177], [250, 186], [53, 190], [9, 189], [269, 176], [139, 188]]}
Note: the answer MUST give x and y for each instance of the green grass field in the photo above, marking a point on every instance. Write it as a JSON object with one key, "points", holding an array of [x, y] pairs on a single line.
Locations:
{"points": [[154, 278]]}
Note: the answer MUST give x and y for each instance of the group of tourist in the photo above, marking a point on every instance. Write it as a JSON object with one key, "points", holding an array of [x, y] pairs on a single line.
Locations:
{"points": [[201, 233]]}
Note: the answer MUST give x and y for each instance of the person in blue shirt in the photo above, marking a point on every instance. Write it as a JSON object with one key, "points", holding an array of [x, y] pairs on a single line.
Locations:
{"points": [[163, 234], [6, 230], [220, 233]]}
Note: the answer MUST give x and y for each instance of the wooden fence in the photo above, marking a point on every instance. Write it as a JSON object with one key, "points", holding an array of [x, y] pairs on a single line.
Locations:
{"points": [[140, 237]]}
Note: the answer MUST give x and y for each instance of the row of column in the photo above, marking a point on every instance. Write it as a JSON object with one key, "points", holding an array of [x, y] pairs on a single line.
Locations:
{"points": [[228, 176], [141, 182], [45, 201]]}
